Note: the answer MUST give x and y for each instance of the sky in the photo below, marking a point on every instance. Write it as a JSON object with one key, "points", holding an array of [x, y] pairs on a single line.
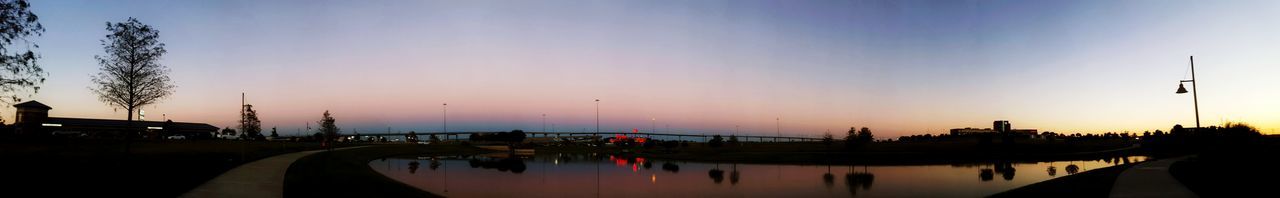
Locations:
{"points": [[798, 68]]}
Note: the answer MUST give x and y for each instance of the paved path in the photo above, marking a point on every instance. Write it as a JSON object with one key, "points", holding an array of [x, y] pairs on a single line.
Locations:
{"points": [[1150, 179], [262, 178]]}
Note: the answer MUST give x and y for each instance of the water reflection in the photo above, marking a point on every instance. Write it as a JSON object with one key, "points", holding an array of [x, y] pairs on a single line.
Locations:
{"points": [[515, 165], [829, 179], [733, 175], [576, 175], [716, 174], [856, 179], [668, 166], [1072, 169]]}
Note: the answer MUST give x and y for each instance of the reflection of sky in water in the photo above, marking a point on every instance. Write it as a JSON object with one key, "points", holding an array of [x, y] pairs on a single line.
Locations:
{"points": [[575, 176]]}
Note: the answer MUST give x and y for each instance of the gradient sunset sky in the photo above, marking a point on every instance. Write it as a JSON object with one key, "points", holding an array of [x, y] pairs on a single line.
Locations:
{"points": [[898, 67]]}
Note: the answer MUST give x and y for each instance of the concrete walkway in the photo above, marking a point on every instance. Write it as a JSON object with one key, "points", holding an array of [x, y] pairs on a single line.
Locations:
{"points": [[1150, 179], [262, 178]]}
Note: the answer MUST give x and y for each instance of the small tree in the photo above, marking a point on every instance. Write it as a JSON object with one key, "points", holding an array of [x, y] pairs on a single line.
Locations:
{"points": [[851, 138], [228, 131], [515, 137], [274, 135], [433, 138], [864, 135], [249, 123], [733, 140], [827, 139], [328, 127], [411, 137], [716, 141]]}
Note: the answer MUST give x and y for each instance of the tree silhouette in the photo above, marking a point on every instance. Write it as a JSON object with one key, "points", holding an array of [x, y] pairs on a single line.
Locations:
{"points": [[274, 134], [18, 62], [827, 139], [733, 140], [130, 74], [716, 141], [249, 123], [864, 135], [328, 127], [228, 131], [851, 138]]}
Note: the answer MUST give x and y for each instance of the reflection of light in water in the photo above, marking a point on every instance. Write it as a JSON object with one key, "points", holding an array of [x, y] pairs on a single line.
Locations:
{"points": [[653, 178]]}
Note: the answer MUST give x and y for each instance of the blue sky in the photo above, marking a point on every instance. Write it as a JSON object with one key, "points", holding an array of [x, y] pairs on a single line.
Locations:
{"points": [[899, 67]]}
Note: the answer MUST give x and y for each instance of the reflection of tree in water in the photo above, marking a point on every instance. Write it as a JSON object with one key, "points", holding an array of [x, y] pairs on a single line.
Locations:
{"points": [[1005, 170], [435, 164], [856, 179], [668, 166], [733, 175], [716, 174], [1053, 171], [829, 179], [1072, 169], [413, 167], [515, 165], [986, 174]]}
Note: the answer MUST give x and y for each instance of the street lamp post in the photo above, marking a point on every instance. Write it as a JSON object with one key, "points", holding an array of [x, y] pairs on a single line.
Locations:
{"points": [[653, 125], [544, 123], [778, 123], [445, 117], [1194, 98], [597, 116]]}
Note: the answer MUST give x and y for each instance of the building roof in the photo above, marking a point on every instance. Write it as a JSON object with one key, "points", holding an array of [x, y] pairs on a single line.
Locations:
{"points": [[87, 122], [32, 104]]}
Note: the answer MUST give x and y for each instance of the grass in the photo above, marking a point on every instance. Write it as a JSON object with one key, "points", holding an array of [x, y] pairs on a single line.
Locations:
{"points": [[99, 168], [346, 173], [1093, 183], [1241, 170]]}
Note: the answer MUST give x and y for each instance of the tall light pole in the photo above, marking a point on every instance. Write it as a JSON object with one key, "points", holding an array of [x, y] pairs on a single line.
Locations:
{"points": [[597, 116], [544, 122], [779, 125], [445, 117], [653, 125], [1194, 98]]}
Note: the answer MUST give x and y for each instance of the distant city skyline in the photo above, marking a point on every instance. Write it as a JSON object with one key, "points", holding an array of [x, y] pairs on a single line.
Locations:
{"points": [[897, 67]]}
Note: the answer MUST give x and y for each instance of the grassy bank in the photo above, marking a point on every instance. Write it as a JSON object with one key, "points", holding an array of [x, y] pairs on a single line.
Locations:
{"points": [[1093, 183], [346, 173], [1238, 170], [99, 168]]}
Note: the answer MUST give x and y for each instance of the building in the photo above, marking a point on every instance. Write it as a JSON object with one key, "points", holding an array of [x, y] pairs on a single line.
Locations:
{"points": [[971, 131], [33, 119], [997, 127]]}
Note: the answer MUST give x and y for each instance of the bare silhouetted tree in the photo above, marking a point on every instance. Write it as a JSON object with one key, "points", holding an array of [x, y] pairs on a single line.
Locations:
{"points": [[18, 62], [130, 75]]}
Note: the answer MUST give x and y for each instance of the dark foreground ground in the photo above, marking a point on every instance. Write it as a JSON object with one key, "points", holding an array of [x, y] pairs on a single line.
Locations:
{"points": [[100, 168], [346, 173]]}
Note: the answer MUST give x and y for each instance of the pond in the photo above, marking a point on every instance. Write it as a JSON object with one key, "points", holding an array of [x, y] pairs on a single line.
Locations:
{"points": [[589, 175]]}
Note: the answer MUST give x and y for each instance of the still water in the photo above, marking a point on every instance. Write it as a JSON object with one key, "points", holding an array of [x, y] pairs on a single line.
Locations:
{"points": [[585, 175]]}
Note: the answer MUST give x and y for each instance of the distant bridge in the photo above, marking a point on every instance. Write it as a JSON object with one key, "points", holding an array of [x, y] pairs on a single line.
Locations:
{"points": [[704, 137]]}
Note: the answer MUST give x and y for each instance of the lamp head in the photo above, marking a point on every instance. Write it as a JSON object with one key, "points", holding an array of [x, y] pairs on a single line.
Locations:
{"points": [[1181, 89]]}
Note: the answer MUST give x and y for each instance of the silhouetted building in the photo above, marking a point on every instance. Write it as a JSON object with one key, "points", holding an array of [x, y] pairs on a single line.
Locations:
{"points": [[997, 127], [33, 118]]}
